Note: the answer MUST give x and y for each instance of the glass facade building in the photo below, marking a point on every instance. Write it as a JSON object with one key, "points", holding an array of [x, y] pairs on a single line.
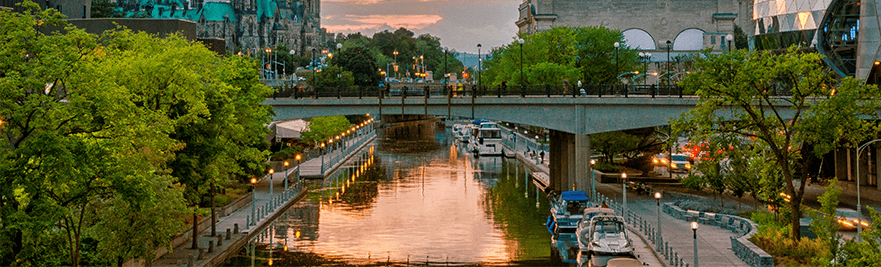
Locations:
{"points": [[832, 26]]}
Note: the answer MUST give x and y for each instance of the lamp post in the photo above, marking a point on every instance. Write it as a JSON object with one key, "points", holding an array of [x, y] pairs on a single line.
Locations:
{"points": [[669, 44], [446, 72], [645, 57], [617, 69], [521, 41], [271, 173], [285, 176], [298, 169], [338, 47], [322, 150], [253, 201], [658, 236], [694, 228], [314, 78], [729, 38], [396, 63], [479, 66], [859, 209], [593, 189], [624, 194]]}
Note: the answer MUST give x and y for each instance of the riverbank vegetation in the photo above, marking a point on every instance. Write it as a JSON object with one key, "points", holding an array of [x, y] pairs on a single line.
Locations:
{"points": [[112, 141]]}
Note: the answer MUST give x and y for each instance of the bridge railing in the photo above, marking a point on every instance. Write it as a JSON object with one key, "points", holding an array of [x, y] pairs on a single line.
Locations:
{"points": [[439, 90]]}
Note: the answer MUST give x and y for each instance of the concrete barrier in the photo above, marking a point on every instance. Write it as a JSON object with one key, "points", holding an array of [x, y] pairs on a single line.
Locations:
{"points": [[742, 247]]}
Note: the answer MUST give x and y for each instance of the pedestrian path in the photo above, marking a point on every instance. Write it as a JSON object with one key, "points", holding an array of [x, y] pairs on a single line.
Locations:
{"points": [[271, 195]]}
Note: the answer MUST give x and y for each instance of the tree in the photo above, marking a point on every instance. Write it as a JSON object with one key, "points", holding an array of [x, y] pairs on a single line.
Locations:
{"points": [[824, 222], [739, 95], [360, 63], [322, 129], [612, 144], [104, 9]]}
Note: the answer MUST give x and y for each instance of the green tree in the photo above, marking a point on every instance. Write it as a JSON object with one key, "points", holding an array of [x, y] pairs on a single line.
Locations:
{"points": [[361, 63], [739, 96], [824, 222], [612, 144], [104, 9], [322, 129]]}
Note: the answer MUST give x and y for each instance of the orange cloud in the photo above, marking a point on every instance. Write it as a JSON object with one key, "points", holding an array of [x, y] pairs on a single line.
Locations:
{"points": [[394, 21]]}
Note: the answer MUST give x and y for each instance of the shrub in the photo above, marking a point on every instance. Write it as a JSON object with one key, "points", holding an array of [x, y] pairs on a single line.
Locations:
{"points": [[607, 167], [693, 182], [774, 237]]}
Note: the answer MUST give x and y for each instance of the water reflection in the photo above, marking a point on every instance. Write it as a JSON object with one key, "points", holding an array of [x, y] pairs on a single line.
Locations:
{"points": [[415, 206]]}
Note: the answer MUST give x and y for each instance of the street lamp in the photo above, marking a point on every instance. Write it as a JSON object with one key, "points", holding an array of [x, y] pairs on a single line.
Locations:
{"points": [[521, 41], [322, 150], [298, 169], [729, 38], [617, 69], [624, 194], [669, 45], [253, 201], [479, 66], [859, 209], [593, 189], [271, 172], [658, 236], [645, 57], [396, 63], [694, 228], [286, 176]]}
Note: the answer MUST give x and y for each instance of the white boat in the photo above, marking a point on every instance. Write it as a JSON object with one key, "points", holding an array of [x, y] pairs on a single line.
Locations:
{"points": [[583, 231], [486, 141], [566, 211], [464, 134], [604, 237]]}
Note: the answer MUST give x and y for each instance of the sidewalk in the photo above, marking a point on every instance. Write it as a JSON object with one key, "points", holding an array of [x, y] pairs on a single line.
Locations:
{"points": [[319, 167], [263, 206]]}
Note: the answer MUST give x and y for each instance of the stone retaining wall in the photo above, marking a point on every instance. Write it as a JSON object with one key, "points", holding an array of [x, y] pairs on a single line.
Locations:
{"points": [[742, 247]]}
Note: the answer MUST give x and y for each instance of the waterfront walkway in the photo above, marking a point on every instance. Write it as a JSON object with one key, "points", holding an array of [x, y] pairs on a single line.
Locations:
{"points": [[713, 243], [263, 207]]}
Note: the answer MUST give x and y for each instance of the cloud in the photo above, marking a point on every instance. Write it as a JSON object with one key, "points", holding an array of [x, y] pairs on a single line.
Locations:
{"points": [[370, 2]]}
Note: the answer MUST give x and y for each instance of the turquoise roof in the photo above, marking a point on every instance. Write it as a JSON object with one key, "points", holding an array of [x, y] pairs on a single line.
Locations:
{"points": [[265, 8], [214, 11]]}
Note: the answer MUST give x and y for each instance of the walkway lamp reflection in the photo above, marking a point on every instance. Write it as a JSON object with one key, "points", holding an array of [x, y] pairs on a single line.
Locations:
{"points": [[593, 189], [658, 236], [322, 158], [694, 228]]}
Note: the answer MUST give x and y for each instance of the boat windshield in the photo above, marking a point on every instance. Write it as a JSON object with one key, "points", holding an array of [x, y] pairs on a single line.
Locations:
{"points": [[491, 133], [575, 207], [608, 229]]}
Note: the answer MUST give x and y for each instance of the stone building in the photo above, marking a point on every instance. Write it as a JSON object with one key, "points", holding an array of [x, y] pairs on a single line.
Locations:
{"points": [[246, 25], [689, 25], [73, 9]]}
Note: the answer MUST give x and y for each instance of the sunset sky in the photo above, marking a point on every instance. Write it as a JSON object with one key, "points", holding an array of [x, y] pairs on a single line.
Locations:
{"points": [[460, 24]]}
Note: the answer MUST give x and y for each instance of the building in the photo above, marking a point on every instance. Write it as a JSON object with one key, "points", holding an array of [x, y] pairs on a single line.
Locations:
{"points": [[70, 8], [248, 26]]}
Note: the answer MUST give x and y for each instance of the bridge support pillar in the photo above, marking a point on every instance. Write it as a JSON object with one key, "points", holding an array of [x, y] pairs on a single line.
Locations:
{"points": [[570, 154]]}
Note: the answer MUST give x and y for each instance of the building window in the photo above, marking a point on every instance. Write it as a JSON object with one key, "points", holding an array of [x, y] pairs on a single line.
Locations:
{"points": [[58, 7], [84, 11]]}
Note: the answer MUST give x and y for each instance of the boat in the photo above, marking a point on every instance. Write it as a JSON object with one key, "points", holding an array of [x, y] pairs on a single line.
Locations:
{"points": [[486, 141], [583, 230], [604, 238], [566, 211], [464, 134]]}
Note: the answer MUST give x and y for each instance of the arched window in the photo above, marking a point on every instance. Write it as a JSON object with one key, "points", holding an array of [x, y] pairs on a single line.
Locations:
{"points": [[689, 40], [639, 39]]}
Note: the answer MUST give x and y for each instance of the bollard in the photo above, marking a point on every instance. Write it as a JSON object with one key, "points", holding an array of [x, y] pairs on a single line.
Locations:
{"points": [[227, 233], [676, 257], [236, 231], [671, 260], [248, 220], [681, 262], [219, 241], [210, 246], [666, 248]]}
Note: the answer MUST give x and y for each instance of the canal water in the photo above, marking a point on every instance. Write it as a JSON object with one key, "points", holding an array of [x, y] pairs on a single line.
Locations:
{"points": [[413, 197]]}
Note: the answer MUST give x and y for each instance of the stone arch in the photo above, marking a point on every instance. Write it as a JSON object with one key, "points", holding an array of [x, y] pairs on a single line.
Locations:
{"points": [[639, 39], [691, 39]]}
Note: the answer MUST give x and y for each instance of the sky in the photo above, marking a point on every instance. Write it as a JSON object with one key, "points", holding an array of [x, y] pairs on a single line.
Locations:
{"points": [[460, 24]]}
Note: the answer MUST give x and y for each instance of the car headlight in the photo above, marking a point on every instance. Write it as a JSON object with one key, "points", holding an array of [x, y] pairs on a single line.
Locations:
{"points": [[673, 165], [687, 166]]}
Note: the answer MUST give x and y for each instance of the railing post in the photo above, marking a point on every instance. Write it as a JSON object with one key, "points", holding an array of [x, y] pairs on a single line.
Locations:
{"points": [[626, 91], [360, 92], [548, 89], [680, 91], [500, 91], [522, 90], [295, 92], [654, 90]]}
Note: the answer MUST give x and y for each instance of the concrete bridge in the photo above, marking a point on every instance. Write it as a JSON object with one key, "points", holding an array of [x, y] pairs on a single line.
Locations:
{"points": [[570, 119]]}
